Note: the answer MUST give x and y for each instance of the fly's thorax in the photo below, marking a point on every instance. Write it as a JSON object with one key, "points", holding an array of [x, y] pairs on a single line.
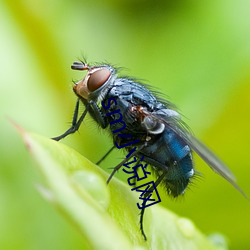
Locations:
{"points": [[95, 84]]}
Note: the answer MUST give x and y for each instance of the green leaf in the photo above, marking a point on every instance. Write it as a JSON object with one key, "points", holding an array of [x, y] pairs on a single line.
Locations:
{"points": [[106, 216]]}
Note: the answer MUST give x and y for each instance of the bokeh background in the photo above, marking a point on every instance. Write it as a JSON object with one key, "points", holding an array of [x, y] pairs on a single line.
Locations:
{"points": [[195, 52]]}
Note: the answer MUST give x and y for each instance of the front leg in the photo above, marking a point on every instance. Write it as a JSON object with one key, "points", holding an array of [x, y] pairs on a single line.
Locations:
{"points": [[75, 124]]}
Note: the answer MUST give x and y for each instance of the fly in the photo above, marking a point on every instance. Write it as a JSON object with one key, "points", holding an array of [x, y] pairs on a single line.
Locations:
{"points": [[127, 107]]}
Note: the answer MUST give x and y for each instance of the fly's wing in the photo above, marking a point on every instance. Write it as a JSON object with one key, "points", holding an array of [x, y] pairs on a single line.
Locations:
{"points": [[174, 123], [212, 160]]}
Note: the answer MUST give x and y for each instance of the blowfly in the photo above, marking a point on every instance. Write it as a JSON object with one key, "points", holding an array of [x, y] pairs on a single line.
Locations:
{"points": [[138, 119]]}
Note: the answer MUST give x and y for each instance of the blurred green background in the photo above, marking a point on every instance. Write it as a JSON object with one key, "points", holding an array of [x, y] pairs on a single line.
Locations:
{"points": [[195, 52]]}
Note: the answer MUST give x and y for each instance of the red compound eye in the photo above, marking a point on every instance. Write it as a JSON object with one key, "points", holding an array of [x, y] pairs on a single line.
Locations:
{"points": [[97, 79]]}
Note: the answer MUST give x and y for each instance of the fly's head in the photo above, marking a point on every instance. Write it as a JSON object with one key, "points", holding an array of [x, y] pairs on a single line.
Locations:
{"points": [[93, 85]]}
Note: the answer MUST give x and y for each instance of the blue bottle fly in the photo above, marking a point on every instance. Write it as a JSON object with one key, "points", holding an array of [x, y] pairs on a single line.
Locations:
{"points": [[143, 124]]}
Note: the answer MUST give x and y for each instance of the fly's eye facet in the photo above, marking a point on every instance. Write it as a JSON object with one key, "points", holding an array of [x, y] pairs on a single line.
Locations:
{"points": [[97, 79]]}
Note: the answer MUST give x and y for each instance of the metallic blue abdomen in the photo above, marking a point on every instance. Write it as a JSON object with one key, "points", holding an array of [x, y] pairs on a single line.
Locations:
{"points": [[171, 155]]}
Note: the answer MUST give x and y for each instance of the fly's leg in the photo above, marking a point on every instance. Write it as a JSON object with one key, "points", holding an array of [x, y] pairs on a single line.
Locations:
{"points": [[97, 113], [158, 181], [75, 123], [137, 163], [105, 155], [91, 107], [116, 168]]}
